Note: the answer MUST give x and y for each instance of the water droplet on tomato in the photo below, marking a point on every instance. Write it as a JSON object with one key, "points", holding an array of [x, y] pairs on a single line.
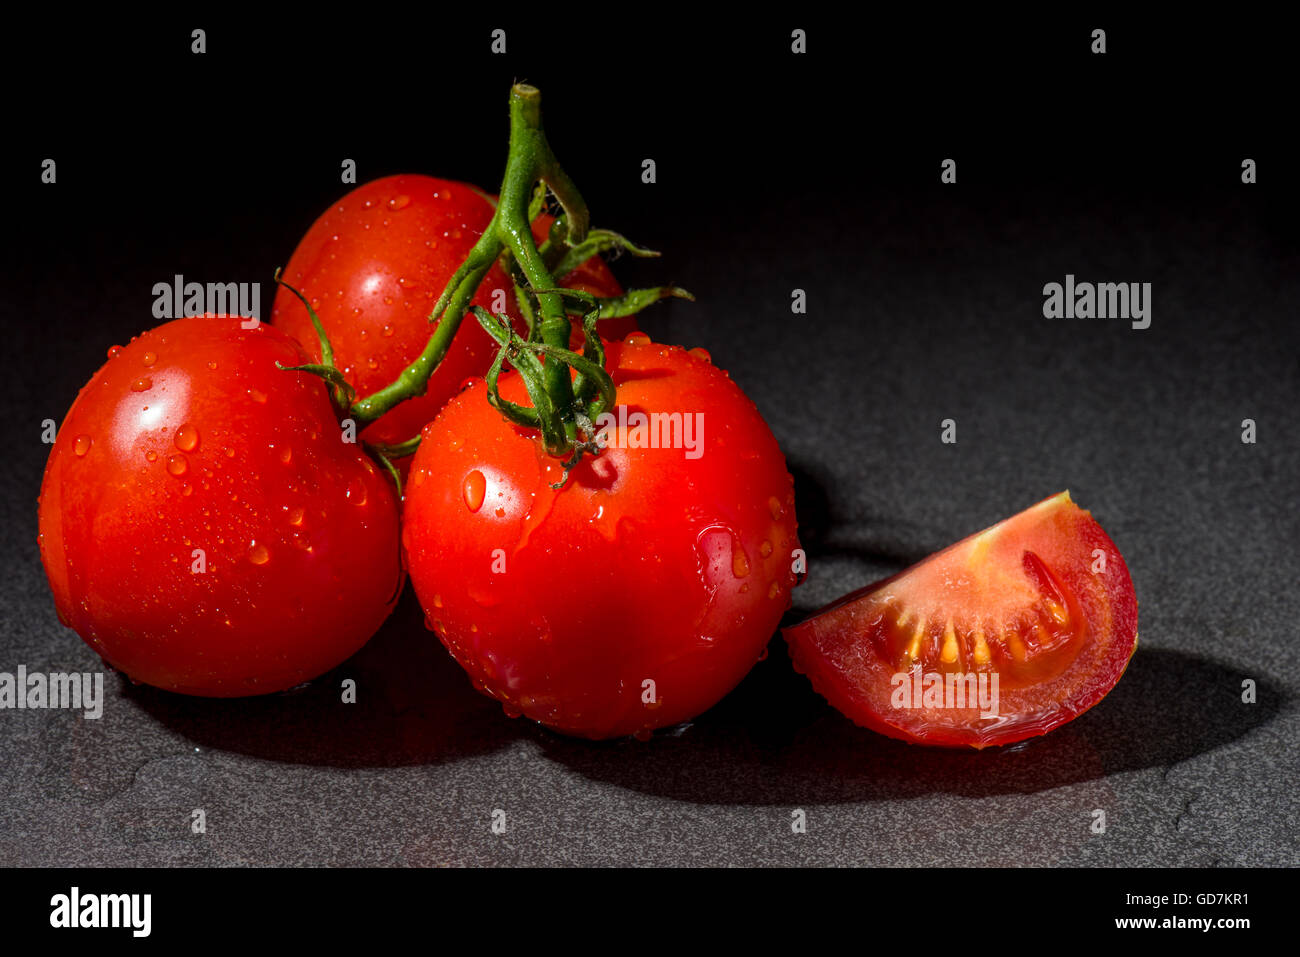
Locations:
{"points": [[474, 489], [151, 456], [399, 202], [510, 711], [187, 489], [372, 363], [357, 492], [149, 358], [636, 338], [765, 549], [142, 384], [114, 351], [774, 507], [257, 396], [774, 589], [187, 438], [437, 601], [286, 455], [212, 365], [739, 560], [387, 331], [295, 515], [81, 446], [700, 353], [258, 553], [177, 464]]}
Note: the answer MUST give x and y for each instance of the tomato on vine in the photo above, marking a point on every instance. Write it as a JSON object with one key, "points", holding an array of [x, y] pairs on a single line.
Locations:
{"points": [[372, 266], [604, 540], [204, 525]]}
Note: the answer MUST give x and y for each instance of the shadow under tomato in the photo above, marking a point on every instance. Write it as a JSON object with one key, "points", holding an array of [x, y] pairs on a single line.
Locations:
{"points": [[775, 741], [414, 706]]}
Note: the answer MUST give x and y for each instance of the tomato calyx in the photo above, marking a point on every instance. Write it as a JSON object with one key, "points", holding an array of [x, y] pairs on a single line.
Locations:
{"points": [[568, 390]]}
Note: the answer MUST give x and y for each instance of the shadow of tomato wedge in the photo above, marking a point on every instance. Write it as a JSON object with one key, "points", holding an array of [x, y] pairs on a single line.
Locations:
{"points": [[1001, 637]]}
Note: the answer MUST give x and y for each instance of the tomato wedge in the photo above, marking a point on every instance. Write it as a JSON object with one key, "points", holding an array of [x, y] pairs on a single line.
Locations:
{"points": [[1001, 637]]}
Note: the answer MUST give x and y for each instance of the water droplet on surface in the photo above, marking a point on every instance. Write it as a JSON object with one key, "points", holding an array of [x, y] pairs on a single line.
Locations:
{"points": [[474, 489], [387, 330], [258, 554], [286, 455], [151, 456], [177, 464], [257, 396], [357, 492], [700, 353], [81, 446], [114, 351], [636, 339], [295, 515], [765, 549], [510, 712], [142, 384], [187, 438], [149, 358], [774, 507], [212, 365], [773, 590], [399, 202]]}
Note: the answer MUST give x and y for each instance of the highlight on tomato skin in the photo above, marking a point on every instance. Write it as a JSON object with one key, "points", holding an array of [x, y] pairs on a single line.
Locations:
{"points": [[1000, 637]]}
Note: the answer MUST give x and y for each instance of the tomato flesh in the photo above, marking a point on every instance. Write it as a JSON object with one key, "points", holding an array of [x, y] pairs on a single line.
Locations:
{"points": [[1037, 614]]}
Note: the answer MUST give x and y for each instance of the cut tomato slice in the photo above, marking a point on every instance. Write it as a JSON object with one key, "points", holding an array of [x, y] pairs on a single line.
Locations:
{"points": [[1003, 636]]}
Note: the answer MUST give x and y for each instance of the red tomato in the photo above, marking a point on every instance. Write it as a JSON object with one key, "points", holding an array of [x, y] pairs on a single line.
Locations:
{"points": [[638, 594], [204, 526], [1039, 608], [374, 264]]}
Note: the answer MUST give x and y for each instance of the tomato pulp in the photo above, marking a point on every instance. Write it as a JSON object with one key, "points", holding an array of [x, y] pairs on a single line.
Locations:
{"points": [[1003, 636]]}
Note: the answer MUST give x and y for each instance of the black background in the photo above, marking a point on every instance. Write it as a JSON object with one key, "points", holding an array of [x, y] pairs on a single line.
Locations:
{"points": [[775, 172]]}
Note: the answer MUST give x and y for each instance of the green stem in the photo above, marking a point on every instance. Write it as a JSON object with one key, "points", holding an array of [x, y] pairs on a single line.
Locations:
{"points": [[530, 162]]}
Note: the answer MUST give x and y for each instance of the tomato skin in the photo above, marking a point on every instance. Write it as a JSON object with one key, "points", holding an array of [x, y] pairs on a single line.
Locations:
{"points": [[374, 264], [188, 438], [646, 566], [850, 649]]}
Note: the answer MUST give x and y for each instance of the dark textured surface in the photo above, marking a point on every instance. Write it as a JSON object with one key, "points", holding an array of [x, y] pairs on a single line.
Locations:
{"points": [[924, 304]]}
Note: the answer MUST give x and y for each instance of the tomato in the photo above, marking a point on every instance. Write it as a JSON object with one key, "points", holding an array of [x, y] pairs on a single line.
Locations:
{"points": [[1039, 608], [203, 524], [374, 264], [639, 593]]}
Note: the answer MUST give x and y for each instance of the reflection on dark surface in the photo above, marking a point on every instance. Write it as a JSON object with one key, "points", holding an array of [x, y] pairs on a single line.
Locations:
{"points": [[771, 741], [775, 741]]}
